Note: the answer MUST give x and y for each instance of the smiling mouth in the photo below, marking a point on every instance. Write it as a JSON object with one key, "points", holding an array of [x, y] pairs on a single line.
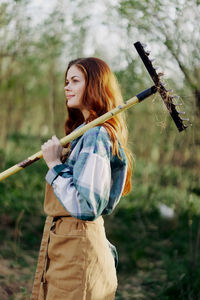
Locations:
{"points": [[69, 97]]}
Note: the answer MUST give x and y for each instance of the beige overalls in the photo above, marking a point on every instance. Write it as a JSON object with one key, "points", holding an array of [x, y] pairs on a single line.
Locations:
{"points": [[75, 261]]}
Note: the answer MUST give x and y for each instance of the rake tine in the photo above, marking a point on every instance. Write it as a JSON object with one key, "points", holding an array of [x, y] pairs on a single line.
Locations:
{"points": [[181, 112], [144, 45]]}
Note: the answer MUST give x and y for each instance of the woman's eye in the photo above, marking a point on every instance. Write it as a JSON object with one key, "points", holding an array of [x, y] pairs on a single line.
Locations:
{"points": [[73, 80]]}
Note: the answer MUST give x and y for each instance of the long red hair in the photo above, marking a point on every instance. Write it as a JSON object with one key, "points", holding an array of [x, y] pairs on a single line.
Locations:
{"points": [[102, 93]]}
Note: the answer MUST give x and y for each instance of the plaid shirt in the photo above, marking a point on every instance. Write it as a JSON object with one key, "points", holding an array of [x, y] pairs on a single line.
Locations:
{"points": [[91, 181]]}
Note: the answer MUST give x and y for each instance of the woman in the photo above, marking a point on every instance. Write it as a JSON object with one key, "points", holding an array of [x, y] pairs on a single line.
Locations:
{"points": [[81, 188]]}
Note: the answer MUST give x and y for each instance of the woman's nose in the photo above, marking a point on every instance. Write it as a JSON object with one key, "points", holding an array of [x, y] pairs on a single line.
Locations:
{"points": [[67, 88]]}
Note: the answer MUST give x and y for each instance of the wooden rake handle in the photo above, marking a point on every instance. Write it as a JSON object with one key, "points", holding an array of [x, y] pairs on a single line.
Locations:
{"points": [[77, 133]]}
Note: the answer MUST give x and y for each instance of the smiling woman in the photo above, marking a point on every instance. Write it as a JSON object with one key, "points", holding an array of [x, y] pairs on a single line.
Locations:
{"points": [[80, 261], [74, 89]]}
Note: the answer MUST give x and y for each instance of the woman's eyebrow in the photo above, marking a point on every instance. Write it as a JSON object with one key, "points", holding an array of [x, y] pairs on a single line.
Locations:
{"points": [[73, 77]]}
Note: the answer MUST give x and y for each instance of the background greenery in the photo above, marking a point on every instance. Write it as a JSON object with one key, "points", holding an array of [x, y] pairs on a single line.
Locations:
{"points": [[158, 254]]}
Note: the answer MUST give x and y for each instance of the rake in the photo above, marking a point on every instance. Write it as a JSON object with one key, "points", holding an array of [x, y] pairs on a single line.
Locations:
{"points": [[158, 86]]}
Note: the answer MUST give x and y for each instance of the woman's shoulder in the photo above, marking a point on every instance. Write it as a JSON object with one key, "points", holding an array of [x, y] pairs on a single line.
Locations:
{"points": [[97, 132], [98, 140]]}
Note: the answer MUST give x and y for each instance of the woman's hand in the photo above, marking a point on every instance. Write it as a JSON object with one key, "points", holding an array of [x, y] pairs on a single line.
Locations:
{"points": [[52, 150]]}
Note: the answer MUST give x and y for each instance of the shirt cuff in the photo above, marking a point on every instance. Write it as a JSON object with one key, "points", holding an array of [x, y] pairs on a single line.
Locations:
{"points": [[53, 173]]}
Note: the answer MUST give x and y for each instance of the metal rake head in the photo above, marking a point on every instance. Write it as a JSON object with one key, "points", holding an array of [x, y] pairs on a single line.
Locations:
{"points": [[165, 94]]}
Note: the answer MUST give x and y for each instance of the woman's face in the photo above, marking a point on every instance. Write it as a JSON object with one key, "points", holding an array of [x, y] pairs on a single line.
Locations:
{"points": [[75, 87]]}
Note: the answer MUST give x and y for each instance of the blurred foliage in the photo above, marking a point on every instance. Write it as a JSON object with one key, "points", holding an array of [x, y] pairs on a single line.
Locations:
{"points": [[173, 26], [159, 255]]}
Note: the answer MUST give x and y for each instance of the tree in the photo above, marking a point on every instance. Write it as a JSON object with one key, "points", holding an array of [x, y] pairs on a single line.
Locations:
{"points": [[33, 58], [174, 24]]}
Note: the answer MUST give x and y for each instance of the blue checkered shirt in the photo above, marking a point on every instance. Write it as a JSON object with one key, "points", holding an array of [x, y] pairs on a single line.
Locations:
{"points": [[91, 181]]}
